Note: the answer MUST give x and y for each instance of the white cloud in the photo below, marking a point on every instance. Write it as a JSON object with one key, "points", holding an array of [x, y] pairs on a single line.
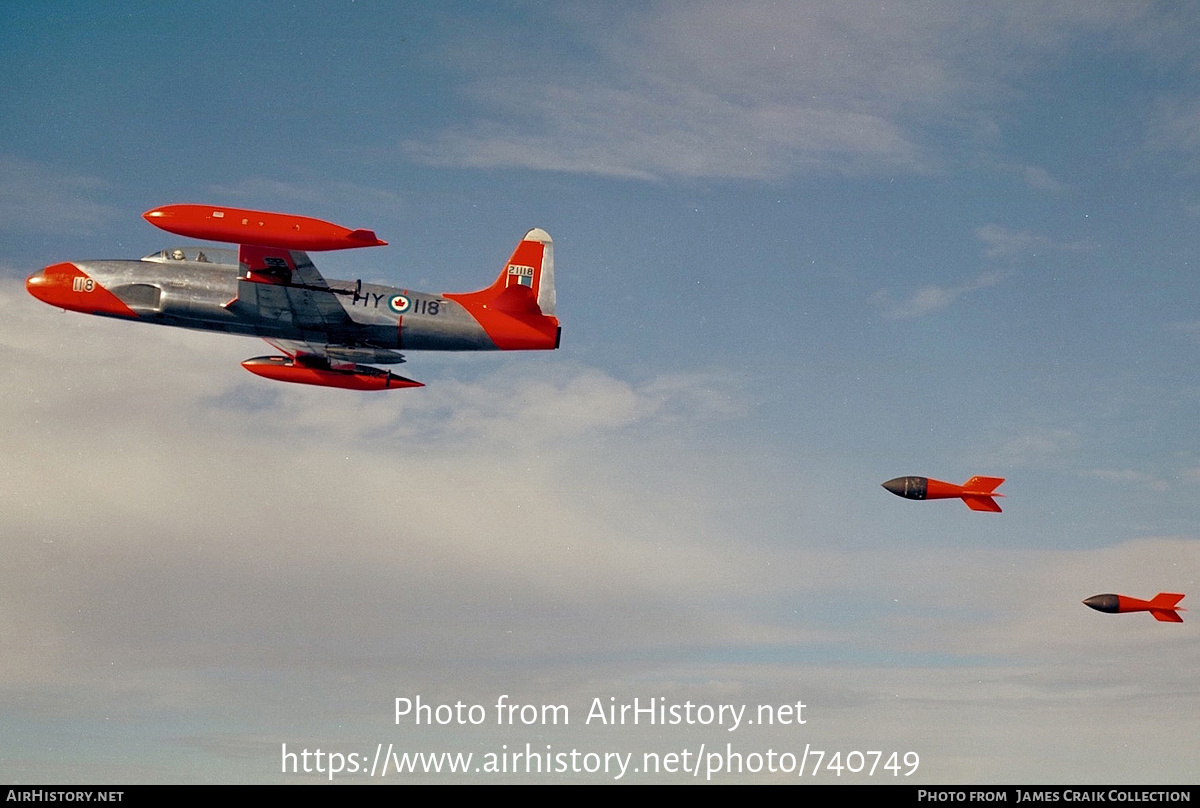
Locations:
{"points": [[1174, 126], [1039, 178], [1005, 243], [756, 90], [38, 198], [131, 445], [641, 138], [1037, 445], [188, 546], [1130, 477], [340, 195], [1008, 244], [931, 298]]}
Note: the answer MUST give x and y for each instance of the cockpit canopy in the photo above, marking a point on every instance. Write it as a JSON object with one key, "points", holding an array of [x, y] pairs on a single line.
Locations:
{"points": [[199, 255]]}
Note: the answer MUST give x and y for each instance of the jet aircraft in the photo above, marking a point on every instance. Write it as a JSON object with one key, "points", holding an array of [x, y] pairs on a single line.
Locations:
{"points": [[270, 288]]}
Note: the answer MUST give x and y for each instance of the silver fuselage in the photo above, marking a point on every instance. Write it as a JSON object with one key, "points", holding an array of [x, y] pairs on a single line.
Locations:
{"points": [[203, 291]]}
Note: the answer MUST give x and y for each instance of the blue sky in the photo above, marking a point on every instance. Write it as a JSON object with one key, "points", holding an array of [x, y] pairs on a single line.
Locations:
{"points": [[801, 249]]}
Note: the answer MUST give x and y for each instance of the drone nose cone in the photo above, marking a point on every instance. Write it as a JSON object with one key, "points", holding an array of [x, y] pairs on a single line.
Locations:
{"points": [[1103, 603], [908, 487]]}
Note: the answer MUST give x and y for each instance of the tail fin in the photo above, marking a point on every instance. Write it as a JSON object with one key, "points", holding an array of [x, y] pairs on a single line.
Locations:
{"points": [[1163, 607], [517, 310], [978, 493], [530, 267], [983, 485], [982, 503]]}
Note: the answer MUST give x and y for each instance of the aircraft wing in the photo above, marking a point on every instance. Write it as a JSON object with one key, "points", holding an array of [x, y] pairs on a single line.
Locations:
{"points": [[337, 354], [263, 264], [284, 285]]}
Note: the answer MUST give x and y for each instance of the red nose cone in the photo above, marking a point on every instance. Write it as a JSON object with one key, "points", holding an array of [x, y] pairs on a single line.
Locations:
{"points": [[35, 283], [55, 285], [69, 287]]}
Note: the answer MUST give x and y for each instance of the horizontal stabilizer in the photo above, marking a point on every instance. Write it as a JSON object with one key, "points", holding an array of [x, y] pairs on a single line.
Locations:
{"points": [[981, 503]]}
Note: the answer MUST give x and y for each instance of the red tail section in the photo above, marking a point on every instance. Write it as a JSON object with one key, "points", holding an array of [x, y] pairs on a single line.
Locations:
{"points": [[517, 310], [982, 503], [1163, 607], [978, 493]]}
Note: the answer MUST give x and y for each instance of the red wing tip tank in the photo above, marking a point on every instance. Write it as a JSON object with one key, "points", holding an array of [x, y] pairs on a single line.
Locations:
{"points": [[258, 227], [310, 370], [1162, 608], [976, 492]]}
